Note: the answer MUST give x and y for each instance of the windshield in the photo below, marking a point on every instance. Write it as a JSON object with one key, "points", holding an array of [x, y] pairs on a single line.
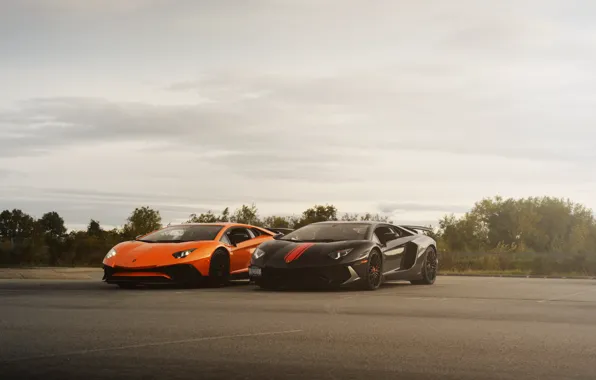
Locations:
{"points": [[329, 232], [182, 233]]}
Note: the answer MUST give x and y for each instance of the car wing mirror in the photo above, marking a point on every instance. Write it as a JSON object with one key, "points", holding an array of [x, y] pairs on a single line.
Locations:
{"points": [[278, 236], [138, 237]]}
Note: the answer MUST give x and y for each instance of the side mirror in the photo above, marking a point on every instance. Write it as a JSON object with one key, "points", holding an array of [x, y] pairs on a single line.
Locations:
{"points": [[138, 236], [278, 236]]}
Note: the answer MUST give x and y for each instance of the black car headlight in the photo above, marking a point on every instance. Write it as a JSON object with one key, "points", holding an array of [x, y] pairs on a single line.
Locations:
{"points": [[258, 253], [336, 255], [183, 254]]}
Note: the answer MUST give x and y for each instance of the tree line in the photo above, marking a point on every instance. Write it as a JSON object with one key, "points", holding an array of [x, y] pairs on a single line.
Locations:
{"points": [[536, 235], [25, 240]]}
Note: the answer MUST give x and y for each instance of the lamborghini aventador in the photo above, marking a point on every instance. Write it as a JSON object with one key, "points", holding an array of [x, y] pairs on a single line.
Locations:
{"points": [[187, 254], [346, 253]]}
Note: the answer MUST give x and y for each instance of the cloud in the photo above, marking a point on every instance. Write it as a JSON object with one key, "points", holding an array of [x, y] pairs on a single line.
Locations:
{"points": [[408, 107], [273, 118], [92, 6]]}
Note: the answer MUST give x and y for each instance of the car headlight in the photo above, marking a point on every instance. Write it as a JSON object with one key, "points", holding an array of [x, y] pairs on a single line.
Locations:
{"points": [[111, 253], [183, 254], [339, 254], [258, 253]]}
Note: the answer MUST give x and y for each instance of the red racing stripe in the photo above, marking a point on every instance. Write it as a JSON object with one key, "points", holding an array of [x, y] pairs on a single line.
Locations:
{"points": [[297, 252], [306, 246]]}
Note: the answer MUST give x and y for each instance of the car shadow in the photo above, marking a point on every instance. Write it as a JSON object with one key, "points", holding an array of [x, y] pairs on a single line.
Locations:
{"points": [[347, 289]]}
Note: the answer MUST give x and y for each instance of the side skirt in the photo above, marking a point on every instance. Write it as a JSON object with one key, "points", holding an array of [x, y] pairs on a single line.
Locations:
{"points": [[406, 274]]}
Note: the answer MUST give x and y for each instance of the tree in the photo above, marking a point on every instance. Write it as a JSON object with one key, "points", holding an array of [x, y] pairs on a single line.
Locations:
{"points": [[141, 221], [546, 225], [94, 229], [15, 225], [51, 225], [374, 218], [317, 213], [277, 222], [210, 217], [225, 215], [207, 217], [17, 237], [246, 215], [349, 217], [368, 217]]}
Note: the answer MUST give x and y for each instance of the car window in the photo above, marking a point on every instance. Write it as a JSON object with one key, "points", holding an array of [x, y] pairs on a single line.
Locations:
{"points": [[397, 231], [238, 235], [256, 232], [329, 232], [225, 239], [385, 234], [375, 238], [183, 233]]}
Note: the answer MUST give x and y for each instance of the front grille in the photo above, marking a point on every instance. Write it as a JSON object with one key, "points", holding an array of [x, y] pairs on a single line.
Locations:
{"points": [[332, 276], [141, 279], [177, 273]]}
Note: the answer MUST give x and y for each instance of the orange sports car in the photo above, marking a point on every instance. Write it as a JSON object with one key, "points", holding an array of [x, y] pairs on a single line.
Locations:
{"points": [[186, 254]]}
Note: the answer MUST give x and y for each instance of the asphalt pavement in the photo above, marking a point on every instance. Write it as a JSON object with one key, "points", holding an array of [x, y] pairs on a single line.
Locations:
{"points": [[459, 328]]}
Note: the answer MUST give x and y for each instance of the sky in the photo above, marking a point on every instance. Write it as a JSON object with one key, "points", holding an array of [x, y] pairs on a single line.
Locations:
{"points": [[410, 109]]}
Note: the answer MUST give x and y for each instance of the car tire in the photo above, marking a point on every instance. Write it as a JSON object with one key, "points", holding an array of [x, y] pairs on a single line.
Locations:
{"points": [[429, 268], [219, 269], [373, 278]]}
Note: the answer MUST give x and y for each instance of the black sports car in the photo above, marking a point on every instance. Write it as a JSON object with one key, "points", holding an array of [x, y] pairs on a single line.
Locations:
{"points": [[341, 253]]}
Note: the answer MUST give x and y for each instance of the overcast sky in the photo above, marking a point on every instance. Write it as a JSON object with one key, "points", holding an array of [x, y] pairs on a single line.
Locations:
{"points": [[413, 109]]}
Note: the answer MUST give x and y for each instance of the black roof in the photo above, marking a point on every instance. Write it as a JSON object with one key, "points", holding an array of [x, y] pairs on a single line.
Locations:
{"points": [[351, 222]]}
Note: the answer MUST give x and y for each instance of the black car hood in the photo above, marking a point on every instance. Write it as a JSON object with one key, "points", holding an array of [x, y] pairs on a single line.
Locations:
{"points": [[291, 254]]}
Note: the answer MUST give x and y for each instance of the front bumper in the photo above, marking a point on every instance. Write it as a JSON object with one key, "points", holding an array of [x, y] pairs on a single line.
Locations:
{"points": [[307, 277], [171, 274]]}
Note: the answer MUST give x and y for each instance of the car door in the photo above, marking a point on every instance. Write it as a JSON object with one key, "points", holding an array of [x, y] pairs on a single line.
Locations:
{"points": [[393, 244], [242, 243], [386, 237]]}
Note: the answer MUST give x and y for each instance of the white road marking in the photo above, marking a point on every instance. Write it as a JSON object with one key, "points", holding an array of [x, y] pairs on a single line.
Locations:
{"points": [[143, 345]]}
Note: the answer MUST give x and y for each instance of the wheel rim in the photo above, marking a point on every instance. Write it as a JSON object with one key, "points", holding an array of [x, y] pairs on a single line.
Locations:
{"points": [[431, 265], [374, 271]]}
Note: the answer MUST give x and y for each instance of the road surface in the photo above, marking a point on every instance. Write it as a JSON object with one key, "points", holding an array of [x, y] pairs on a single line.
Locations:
{"points": [[460, 328]]}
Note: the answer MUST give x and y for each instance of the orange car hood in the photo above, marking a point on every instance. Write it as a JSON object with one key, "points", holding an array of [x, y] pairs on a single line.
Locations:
{"points": [[137, 254]]}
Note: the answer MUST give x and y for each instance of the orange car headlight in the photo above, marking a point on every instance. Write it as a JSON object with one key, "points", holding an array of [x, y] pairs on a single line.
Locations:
{"points": [[110, 254], [183, 254]]}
